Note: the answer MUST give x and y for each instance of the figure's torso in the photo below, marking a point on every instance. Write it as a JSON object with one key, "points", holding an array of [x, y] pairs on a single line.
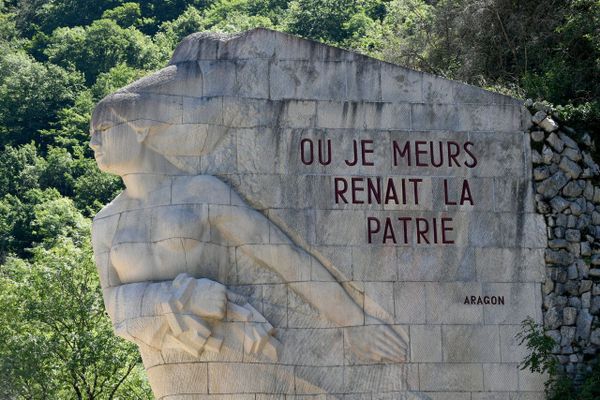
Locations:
{"points": [[165, 234]]}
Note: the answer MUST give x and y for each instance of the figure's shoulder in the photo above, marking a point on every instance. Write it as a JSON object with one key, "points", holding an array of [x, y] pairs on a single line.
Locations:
{"points": [[206, 189], [116, 206]]}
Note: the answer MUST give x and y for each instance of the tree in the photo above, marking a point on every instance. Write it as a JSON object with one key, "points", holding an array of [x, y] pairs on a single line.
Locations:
{"points": [[31, 93], [58, 341], [101, 46]]}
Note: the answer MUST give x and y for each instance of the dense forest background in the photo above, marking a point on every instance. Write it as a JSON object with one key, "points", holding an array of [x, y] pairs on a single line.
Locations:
{"points": [[59, 57]]}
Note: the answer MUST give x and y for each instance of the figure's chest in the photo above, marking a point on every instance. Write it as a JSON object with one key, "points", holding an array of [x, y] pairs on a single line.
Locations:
{"points": [[158, 224]]}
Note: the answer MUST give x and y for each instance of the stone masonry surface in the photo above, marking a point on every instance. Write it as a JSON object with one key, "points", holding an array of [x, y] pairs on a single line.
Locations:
{"points": [[304, 222]]}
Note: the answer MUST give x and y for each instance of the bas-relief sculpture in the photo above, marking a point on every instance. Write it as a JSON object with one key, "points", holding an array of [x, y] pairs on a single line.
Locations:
{"points": [[228, 263]]}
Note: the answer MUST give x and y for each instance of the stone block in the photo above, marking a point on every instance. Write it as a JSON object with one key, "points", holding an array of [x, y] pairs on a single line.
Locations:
{"points": [[250, 378], [470, 343], [312, 380], [522, 300], [308, 80], [400, 84], [445, 303], [410, 299], [178, 379], [425, 343], [510, 264], [434, 117], [500, 377], [451, 377], [380, 378], [250, 78], [489, 118], [531, 381], [374, 263]]}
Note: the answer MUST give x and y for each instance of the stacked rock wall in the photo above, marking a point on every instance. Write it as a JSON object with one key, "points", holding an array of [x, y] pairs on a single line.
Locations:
{"points": [[564, 175]]}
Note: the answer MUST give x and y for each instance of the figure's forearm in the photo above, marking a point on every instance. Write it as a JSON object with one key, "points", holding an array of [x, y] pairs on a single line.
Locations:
{"points": [[135, 310], [316, 285]]}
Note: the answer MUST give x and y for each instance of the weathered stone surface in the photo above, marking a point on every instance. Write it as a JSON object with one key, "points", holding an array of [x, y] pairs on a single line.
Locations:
{"points": [[252, 256], [551, 186], [570, 168]]}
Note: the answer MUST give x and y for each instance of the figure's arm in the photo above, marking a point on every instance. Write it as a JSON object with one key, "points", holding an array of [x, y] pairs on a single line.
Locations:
{"points": [[266, 244]]}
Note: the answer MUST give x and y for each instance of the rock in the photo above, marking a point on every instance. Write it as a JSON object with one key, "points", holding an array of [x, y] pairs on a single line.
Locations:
{"points": [[572, 273], [571, 189], [595, 305], [556, 143], [559, 232], [584, 325], [570, 168], [552, 185], [536, 157], [596, 289], [586, 139], [573, 235], [567, 333], [572, 287], [585, 286], [557, 244], [595, 260], [583, 268], [569, 142], [583, 221], [558, 204], [553, 319], [538, 136], [577, 208], [558, 257], [590, 163], [597, 195], [572, 154], [588, 192], [585, 249], [586, 300], [528, 103], [548, 286], [548, 124], [547, 154], [595, 337], [575, 302], [538, 117], [541, 173], [542, 207], [571, 220]]}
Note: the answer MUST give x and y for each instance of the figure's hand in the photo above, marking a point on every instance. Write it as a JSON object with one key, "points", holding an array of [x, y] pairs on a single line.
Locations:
{"points": [[208, 300], [377, 343]]}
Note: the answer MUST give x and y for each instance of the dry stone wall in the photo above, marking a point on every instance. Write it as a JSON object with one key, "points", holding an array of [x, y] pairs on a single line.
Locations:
{"points": [[568, 195]]}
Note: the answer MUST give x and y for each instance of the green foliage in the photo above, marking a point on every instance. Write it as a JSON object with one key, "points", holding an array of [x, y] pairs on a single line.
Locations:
{"points": [[101, 46], [323, 20], [58, 339], [31, 93], [541, 359]]}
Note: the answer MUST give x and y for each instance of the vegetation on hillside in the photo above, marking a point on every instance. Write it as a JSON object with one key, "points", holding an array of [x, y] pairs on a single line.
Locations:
{"points": [[59, 57]]}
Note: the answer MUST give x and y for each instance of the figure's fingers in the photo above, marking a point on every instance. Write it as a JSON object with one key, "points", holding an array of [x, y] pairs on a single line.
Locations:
{"points": [[384, 342], [394, 337], [390, 354]]}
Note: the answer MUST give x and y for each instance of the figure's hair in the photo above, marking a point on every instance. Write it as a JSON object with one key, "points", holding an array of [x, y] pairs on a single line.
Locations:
{"points": [[156, 104]]}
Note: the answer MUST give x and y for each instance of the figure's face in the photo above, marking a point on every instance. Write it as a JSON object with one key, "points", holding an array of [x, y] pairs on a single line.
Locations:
{"points": [[117, 147]]}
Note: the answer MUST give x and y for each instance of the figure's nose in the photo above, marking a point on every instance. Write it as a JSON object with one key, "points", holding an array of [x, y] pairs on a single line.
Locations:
{"points": [[95, 141]]}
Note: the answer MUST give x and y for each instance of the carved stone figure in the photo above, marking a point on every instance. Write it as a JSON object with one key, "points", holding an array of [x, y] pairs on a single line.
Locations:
{"points": [[158, 243], [243, 268]]}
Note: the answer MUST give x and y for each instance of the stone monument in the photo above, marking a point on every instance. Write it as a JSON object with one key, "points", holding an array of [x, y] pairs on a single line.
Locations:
{"points": [[301, 222]]}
